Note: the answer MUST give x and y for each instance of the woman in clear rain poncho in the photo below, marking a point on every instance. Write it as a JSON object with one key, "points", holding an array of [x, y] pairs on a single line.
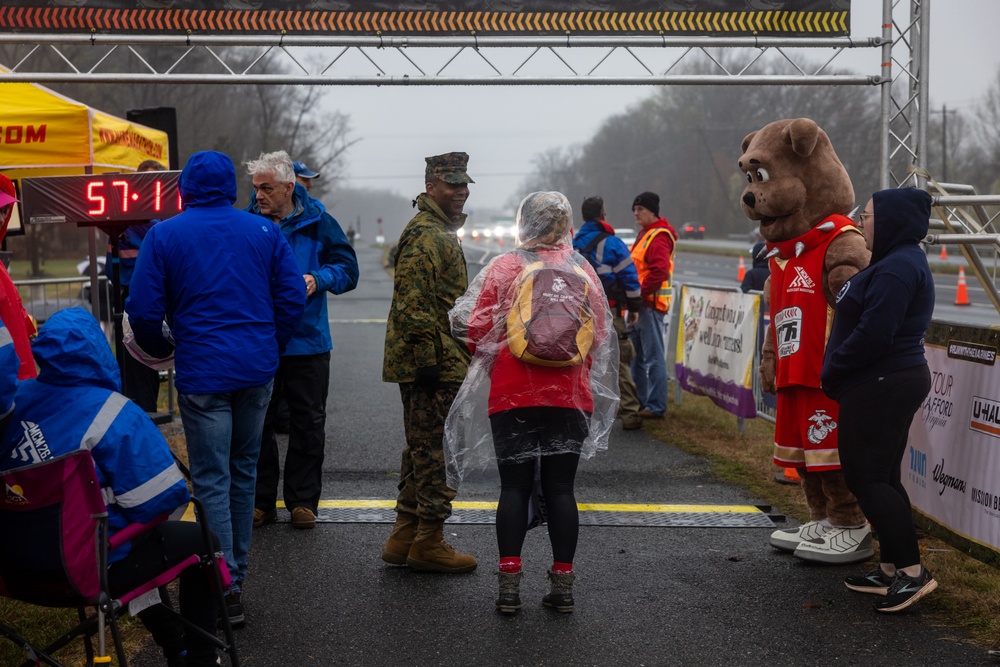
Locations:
{"points": [[542, 386]]}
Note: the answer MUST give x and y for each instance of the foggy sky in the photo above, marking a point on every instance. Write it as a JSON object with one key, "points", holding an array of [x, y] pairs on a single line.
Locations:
{"points": [[504, 127]]}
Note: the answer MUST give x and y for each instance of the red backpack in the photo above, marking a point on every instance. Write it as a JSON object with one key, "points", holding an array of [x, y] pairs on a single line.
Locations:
{"points": [[550, 322]]}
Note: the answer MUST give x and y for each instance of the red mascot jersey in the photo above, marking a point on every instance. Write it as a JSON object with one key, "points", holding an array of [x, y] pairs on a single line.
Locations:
{"points": [[800, 315]]}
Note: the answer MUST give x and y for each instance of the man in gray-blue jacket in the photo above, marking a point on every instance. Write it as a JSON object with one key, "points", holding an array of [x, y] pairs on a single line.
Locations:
{"points": [[227, 284], [327, 263]]}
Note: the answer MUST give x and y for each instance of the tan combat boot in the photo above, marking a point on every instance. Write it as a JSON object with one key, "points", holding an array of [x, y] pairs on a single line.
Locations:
{"points": [[431, 553], [398, 545]]}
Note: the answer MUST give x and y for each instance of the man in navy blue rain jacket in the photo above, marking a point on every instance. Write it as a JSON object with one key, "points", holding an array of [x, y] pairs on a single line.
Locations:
{"points": [[612, 260], [227, 284], [75, 404], [328, 264]]}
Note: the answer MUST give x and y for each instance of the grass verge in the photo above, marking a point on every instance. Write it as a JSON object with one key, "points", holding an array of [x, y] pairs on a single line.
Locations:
{"points": [[969, 591]]}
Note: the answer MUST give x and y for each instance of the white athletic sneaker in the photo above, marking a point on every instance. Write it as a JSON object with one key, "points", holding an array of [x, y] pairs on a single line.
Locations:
{"points": [[838, 546], [789, 538]]}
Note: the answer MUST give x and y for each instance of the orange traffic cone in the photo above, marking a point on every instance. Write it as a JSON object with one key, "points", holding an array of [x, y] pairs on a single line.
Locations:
{"points": [[787, 476], [962, 295], [742, 271], [944, 252]]}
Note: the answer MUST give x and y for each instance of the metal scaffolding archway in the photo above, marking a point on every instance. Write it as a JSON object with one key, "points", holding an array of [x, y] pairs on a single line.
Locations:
{"points": [[380, 60]]}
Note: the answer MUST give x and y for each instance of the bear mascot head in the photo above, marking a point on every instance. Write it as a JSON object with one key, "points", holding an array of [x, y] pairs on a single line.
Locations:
{"points": [[795, 184]]}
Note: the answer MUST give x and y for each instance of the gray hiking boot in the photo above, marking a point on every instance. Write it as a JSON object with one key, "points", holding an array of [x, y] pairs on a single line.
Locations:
{"points": [[560, 595], [509, 600]]}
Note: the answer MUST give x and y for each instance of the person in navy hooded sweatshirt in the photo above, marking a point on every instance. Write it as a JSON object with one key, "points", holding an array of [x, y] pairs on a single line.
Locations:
{"points": [[227, 284], [876, 369]]}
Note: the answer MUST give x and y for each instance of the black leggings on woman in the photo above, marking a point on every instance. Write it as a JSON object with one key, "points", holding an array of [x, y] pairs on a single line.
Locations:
{"points": [[517, 481], [517, 434], [874, 422]]}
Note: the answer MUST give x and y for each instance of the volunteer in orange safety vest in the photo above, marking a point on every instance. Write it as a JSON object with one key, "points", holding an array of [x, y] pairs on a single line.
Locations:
{"points": [[653, 255]]}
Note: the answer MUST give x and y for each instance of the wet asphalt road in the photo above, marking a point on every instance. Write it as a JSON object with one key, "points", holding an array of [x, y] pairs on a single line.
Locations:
{"points": [[644, 596]]}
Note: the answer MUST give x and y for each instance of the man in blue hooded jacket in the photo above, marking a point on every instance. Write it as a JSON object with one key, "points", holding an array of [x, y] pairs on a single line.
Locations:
{"points": [[75, 404], [327, 263], [227, 284], [612, 260]]}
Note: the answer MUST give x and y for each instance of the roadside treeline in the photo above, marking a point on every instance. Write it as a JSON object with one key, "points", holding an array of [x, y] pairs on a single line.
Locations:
{"points": [[241, 121], [683, 142]]}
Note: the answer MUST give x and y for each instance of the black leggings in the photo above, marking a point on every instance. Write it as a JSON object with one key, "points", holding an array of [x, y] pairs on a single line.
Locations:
{"points": [[874, 423], [517, 482]]}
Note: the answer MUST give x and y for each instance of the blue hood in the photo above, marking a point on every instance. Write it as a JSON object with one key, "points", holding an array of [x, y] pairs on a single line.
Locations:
{"points": [[902, 217], [208, 179], [71, 351]]}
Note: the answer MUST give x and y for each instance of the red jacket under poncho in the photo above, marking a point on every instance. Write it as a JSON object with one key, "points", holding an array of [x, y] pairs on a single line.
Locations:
{"points": [[514, 383]]}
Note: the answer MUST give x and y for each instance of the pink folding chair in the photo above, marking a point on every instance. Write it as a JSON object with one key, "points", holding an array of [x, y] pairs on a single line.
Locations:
{"points": [[55, 545]]}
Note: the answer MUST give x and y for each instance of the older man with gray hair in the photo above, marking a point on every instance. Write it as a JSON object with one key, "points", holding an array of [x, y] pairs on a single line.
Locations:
{"points": [[328, 264]]}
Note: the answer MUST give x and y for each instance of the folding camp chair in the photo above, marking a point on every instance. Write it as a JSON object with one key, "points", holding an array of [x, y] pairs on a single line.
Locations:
{"points": [[54, 553]]}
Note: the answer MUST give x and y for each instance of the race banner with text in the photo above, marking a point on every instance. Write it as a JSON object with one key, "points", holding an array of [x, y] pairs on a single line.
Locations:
{"points": [[762, 18], [715, 347], [950, 466]]}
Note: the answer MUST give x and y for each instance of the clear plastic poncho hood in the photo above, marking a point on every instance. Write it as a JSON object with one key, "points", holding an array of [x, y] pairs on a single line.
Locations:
{"points": [[542, 336]]}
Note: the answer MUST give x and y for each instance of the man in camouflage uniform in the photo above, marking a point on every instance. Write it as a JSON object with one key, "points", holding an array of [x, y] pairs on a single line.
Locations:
{"points": [[428, 364]]}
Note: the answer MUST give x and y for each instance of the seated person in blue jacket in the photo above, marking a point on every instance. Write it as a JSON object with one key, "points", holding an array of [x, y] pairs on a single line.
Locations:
{"points": [[75, 403]]}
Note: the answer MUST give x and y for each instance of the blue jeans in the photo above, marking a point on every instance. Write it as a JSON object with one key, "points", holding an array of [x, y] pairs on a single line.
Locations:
{"points": [[223, 441], [649, 367]]}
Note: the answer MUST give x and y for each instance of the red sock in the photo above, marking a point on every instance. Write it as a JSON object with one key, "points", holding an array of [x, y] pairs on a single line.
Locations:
{"points": [[510, 564], [562, 568]]}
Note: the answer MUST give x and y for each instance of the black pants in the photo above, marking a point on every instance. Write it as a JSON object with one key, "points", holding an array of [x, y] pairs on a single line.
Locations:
{"points": [[304, 381], [874, 422], [516, 432], [153, 553], [142, 383]]}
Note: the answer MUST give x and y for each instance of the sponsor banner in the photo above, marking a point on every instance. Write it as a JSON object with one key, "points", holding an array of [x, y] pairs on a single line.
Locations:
{"points": [[715, 347], [953, 453], [795, 18]]}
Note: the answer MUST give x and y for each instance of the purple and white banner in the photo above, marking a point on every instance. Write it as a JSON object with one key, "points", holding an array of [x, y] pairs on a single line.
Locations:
{"points": [[715, 346]]}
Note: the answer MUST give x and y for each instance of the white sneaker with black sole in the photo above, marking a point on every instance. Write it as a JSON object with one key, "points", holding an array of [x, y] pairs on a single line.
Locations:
{"points": [[838, 546], [787, 539]]}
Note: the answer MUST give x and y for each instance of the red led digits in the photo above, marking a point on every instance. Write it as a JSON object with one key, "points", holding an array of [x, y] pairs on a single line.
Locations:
{"points": [[97, 199], [158, 194], [124, 186]]}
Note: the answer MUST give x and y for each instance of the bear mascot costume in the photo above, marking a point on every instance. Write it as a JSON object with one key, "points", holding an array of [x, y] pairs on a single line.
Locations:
{"points": [[800, 193]]}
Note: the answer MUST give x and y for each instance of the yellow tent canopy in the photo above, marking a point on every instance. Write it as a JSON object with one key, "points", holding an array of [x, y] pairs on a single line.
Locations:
{"points": [[43, 133]]}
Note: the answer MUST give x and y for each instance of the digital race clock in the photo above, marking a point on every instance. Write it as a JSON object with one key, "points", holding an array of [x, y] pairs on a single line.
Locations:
{"points": [[102, 200]]}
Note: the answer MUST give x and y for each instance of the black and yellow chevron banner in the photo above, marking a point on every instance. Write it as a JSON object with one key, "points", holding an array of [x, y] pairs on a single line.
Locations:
{"points": [[316, 22]]}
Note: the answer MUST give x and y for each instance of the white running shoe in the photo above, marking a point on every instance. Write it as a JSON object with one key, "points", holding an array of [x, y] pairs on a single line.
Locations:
{"points": [[838, 546], [788, 539]]}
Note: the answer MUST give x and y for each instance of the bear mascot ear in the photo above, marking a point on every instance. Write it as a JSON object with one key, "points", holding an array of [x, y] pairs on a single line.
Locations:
{"points": [[747, 139], [801, 134]]}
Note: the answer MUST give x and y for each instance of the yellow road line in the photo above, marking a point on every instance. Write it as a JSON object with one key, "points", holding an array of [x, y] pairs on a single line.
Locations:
{"points": [[584, 507]]}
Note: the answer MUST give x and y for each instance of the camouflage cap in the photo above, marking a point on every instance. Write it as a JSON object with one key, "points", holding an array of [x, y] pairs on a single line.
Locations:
{"points": [[449, 167]]}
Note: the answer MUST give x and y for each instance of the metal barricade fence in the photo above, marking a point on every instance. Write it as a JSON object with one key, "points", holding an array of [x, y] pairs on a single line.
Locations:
{"points": [[42, 297]]}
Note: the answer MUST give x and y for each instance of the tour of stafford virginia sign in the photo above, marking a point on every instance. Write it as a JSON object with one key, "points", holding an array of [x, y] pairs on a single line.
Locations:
{"points": [[720, 18]]}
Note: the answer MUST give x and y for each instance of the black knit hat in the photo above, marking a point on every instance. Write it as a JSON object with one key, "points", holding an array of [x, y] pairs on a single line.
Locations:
{"points": [[649, 201]]}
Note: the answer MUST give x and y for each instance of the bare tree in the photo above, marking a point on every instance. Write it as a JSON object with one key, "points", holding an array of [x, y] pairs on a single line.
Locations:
{"points": [[241, 121]]}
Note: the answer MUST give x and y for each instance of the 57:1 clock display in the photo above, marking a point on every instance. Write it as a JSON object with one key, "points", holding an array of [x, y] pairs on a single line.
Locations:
{"points": [[101, 199]]}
